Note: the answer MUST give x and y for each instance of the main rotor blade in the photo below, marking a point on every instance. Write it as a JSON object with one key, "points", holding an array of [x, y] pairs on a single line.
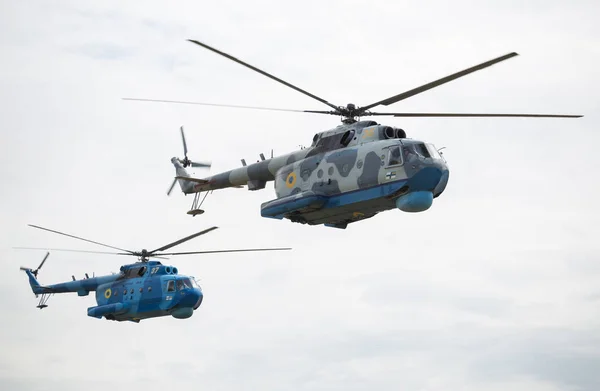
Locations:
{"points": [[222, 105], [168, 246], [433, 84], [159, 257], [77, 237], [473, 115], [75, 251], [228, 251], [81, 251], [184, 144], [263, 73]]}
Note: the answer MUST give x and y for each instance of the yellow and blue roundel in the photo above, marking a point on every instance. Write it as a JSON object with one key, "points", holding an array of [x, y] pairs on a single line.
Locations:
{"points": [[291, 180], [107, 293]]}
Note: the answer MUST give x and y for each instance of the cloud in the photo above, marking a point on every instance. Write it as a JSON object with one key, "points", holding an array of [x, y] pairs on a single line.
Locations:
{"points": [[562, 356], [102, 51], [493, 288]]}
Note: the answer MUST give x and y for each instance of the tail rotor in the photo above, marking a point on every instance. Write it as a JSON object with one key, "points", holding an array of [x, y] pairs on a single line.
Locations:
{"points": [[35, 272], [181, 164], [172, 186], [186, 162]]}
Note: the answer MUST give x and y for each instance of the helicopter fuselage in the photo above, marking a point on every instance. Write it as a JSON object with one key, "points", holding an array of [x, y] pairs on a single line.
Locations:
{"points": [[349, 173], [140, 291]]}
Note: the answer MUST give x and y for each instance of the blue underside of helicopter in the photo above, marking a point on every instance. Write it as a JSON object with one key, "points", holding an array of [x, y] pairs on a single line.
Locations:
{"points": [[108, 309], [310, 201]]}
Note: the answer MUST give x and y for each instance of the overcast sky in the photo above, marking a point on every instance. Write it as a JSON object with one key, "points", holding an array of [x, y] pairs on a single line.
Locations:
{"points": [[496, 287]]}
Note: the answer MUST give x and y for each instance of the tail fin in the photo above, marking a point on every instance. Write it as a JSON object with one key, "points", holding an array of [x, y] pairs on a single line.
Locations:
{"points": [[33, 282], [32, 274], [180, 165], [186, 186]]}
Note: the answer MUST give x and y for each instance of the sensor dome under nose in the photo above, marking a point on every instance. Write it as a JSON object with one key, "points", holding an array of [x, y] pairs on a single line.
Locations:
{"points": [[417, 201]]}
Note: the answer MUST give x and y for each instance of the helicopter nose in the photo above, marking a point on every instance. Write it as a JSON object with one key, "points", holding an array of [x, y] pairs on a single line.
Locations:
{"points": [[200, 297], [424, 186], [441, 186], [191, 299]]}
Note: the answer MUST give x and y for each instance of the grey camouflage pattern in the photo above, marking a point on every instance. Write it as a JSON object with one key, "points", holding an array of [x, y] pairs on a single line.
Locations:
{"points": [[340, 161]]}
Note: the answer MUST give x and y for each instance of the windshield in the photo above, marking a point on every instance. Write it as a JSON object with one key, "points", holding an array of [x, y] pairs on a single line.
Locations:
{"points": [[184, 283], [433, 151]]}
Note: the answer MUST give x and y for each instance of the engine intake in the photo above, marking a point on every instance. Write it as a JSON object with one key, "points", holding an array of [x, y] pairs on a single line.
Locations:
{"points": [[390, 132], [400, 133]]}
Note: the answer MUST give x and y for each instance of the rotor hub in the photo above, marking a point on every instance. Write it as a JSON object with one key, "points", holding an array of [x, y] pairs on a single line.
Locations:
{"points": [[349, 113], [144, 255]]}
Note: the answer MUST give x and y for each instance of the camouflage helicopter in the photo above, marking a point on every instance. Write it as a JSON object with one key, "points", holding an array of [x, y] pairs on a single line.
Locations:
{"points": [[349, 173], [142, 290]]}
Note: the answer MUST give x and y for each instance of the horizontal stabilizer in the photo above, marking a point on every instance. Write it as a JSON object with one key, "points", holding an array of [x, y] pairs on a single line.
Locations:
{"points": [[186, 178]]}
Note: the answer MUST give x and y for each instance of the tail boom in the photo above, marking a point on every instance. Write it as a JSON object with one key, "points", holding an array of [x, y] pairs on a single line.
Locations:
{"points": [[253, 175], [82, 287]]}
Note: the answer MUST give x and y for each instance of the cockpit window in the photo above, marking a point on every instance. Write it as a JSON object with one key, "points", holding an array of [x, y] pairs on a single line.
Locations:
{"points": [[394, 156], [170, 286], [183, 283], [422, 150], [434, 152]]}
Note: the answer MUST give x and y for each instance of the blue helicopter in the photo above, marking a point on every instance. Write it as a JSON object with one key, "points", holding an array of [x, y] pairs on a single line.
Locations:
{"points": [[142, 290]]}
